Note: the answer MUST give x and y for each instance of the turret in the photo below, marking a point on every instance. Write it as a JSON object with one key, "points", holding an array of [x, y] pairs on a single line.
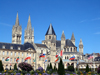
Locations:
{"points": [[63, 40], [73, 39], [81, 46]]}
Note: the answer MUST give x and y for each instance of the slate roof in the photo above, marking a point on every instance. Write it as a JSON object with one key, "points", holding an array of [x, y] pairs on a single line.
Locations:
{"points": [[58, 43], [41, 45], [97, 59], [50, 31], [68, 43], [15, 46]]}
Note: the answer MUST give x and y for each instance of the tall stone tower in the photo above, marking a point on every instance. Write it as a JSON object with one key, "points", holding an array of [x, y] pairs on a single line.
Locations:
{"points": [[16, 32], [49, 35], [73, 39], [29, 33], [81, 46], [63, 40]]}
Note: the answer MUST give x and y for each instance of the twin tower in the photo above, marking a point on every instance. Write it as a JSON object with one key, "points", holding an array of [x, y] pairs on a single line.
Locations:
{"points": [[17, 32]]}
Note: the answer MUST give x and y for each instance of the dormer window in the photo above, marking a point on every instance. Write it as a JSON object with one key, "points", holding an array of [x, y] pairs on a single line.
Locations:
{"points": [[11, 47], [3, 47], [18, 48], [64, 49]]}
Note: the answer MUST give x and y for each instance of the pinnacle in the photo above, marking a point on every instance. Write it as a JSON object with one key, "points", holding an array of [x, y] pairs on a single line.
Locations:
{"points": [[72, 38], [17, 20], [63, 35], [29, 23]]}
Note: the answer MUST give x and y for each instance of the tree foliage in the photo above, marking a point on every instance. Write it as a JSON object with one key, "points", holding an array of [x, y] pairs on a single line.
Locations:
{"points": [[61, 70], [70, 68], [1, 66], [15, 66], [50, 66], [25, 66], [87, 68], [98, 70]]}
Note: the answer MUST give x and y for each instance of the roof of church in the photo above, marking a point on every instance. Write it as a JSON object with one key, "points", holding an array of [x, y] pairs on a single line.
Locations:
{"points": [[68, 43], [15, 46], [63, 35], [41, 45], [50, 31]]}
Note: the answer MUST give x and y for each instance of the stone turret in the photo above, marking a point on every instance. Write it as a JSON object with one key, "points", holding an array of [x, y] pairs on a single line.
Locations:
{"points": [[81, 46], [16, 32], [29, 32], [63, 40], [73, 39]]}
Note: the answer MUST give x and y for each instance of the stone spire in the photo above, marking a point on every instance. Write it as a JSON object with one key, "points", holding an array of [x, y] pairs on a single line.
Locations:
{"points": [[50, 31], [72, 38], [81, 43], [63, 35], [29, 23], [29, 32], [17, 20]]}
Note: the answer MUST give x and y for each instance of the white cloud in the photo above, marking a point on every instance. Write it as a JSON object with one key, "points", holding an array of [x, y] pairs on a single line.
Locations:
{"points": [[5, 24], [82, 21], [96, 19], [97, 33]]}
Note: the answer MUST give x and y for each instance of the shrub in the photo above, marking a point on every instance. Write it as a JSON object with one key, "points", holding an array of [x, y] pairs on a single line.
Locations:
{"points": [[50, 66], [98, 70], [87, 68], [71, 68], [1, 66], [25, 66]]}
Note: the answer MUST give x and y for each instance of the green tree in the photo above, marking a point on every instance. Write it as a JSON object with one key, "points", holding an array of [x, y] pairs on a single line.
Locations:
{"points": [[1, 66], [50, 66], [61, 70], [87, 68], [15, 66]]}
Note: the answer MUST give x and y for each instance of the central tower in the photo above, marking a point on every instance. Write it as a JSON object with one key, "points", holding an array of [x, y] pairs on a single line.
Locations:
{"points": [[29, 33]]}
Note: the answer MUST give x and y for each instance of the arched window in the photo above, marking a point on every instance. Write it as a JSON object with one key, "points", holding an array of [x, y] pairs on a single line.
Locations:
{"points": [[49, 37], [74, 50], [65, 57], [64, 49], [67, 49], [71, 49]]}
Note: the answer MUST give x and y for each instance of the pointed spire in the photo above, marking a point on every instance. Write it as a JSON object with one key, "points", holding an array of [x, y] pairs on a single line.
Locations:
{"points": [[81, 43], [17, 20], [72, 38], [50, 30], [63, 35], [29, 23]]}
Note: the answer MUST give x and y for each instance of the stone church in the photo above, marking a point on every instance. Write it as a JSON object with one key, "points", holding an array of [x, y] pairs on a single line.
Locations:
{"points": [[50, 46]]}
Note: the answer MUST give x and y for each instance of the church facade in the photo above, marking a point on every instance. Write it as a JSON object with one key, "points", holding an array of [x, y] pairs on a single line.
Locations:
{"points": [[50, 46]]}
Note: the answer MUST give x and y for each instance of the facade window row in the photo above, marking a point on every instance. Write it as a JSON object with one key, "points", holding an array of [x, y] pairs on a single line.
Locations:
{"points": [[4, 47], [71, 50], [15, 53]]}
